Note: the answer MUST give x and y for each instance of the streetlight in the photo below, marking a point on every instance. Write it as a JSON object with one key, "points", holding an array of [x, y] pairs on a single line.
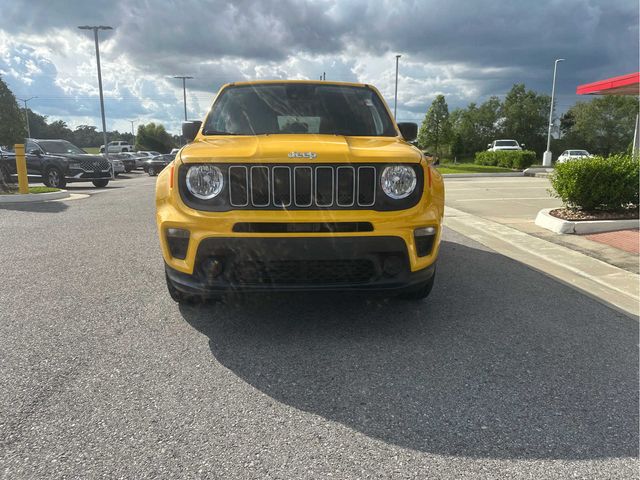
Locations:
{"points": [[95, 37], [395, 98], [133, 134], [184, 92], [546, 158], [26, 113]]}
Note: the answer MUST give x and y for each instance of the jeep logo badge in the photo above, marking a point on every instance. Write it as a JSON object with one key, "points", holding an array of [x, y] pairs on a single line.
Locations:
{"points": [[310, 155]]}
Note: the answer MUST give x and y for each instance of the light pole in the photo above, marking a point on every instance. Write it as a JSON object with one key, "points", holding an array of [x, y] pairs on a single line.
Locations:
{"points": [[133, 134], [395, 97], [184, 92], [546, 158], [104, 123], [26, 113]]}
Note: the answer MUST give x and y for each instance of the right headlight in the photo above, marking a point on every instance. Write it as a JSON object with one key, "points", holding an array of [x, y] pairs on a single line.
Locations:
{"points": [[204, 181], [398, 181]]}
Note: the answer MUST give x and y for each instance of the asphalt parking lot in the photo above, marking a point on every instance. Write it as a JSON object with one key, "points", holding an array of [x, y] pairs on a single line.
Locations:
{"points": [[502, 373]]}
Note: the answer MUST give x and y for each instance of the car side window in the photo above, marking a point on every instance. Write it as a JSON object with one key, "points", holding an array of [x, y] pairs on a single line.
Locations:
{"points": [[31, 146]]}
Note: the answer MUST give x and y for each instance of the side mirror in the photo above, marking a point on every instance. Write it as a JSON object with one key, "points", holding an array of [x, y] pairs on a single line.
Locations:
{"points": [[35, 151], [190, 129], [408, 130]]}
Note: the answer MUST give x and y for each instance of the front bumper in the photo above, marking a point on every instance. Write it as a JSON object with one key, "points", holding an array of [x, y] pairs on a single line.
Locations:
{"points": [[213, 234], [361, 264]]}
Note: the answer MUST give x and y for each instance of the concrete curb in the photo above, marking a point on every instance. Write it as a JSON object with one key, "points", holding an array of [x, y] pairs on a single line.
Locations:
{"points": [[557, 225], [538, 172], [33, 197], [474, 175]]}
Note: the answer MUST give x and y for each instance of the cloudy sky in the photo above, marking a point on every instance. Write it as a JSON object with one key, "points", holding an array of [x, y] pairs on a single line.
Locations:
{"points": [[467, 50]]}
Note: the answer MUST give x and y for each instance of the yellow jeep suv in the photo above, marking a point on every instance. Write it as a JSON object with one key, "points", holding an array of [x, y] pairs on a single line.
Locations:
{"points": [[299, 185]]}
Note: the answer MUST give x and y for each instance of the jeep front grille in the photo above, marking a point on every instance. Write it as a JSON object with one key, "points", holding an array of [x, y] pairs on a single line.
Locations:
{"points": [[263, 186], [300, 187]]}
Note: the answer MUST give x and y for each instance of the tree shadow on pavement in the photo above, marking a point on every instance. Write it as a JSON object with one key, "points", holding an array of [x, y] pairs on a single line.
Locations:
{"points": [[500, 362], [40, 207]]}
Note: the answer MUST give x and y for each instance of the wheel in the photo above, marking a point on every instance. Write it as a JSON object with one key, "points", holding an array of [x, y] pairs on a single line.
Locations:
{"points": [[127, 169], [101, 183], [102, 150], [54, 178], [422, 291], [125, 149], [151, 171]]}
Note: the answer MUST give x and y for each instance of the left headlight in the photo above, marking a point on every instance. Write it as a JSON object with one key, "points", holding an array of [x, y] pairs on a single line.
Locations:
{"points": [[398, 181], [204, 181]]}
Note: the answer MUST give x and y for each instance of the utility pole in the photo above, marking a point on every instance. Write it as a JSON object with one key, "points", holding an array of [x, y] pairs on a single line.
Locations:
{"points": [[546, 158], [26, 113], [184, 92], [395, 97], [324, 76], [104, 123]]}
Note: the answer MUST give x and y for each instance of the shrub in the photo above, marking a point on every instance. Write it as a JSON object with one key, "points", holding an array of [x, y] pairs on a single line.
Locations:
{"points": [[598, 183], [516, 159]]}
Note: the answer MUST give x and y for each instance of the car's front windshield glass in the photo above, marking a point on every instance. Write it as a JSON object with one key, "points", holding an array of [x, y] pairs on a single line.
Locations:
{"points": [[506, 143], [579, 152], [50, 146], [299, 108]]}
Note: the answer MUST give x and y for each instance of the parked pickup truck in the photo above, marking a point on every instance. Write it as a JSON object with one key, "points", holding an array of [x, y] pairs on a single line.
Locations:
{"points": [[56, 163], [498, 145]]}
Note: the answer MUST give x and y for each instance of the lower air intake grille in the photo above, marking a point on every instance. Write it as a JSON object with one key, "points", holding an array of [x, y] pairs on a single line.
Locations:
{"points": [[310, 272]]}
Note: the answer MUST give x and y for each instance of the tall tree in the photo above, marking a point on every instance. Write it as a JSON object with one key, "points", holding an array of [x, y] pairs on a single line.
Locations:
{"points": [[12, 128], [604, 125], [153, 136], [476, 125], [525, 117], [436, 128]]}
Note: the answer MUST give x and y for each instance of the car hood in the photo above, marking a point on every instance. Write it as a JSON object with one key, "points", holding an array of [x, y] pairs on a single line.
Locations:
{"points": [[77, 156], [284, 148]]}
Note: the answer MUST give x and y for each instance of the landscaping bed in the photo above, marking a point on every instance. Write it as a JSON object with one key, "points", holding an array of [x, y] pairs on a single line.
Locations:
{"points": [[582, 215]]}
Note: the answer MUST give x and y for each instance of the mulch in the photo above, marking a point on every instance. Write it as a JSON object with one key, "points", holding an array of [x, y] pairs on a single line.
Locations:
{"points": [[583, 215]]}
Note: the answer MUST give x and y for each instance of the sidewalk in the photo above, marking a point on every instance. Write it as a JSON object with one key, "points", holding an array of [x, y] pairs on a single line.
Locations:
{"points": [[500, 214]]}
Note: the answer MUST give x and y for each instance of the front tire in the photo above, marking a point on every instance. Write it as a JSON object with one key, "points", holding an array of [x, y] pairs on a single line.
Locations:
{"points": [[151, 171], [100, 183], [420, 292], [54, 178]]}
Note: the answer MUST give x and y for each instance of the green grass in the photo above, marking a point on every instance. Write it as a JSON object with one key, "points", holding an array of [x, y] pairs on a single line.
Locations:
{"points": [[13, 189], [470, 168], [93, 150], [43, 190]]}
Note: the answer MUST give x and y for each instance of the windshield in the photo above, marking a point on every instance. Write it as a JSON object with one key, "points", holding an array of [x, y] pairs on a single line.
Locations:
{"points": [[59, 146], [581, 153], [506, 143], [299, 108]]}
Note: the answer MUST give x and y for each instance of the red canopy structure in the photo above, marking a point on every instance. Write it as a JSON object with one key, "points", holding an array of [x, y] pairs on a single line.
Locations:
{"points": [[623, 85]]}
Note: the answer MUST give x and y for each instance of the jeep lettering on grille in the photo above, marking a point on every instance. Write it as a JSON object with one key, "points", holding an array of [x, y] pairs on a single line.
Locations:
{"points": [[310, 155]]}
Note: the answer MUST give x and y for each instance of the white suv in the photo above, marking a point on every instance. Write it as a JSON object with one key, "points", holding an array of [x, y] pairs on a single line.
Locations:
{"points": [[117, 146], [497, 145]]}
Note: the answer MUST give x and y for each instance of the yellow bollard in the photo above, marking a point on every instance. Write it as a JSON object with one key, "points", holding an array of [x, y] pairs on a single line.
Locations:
{"points": [[21, 168]]}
